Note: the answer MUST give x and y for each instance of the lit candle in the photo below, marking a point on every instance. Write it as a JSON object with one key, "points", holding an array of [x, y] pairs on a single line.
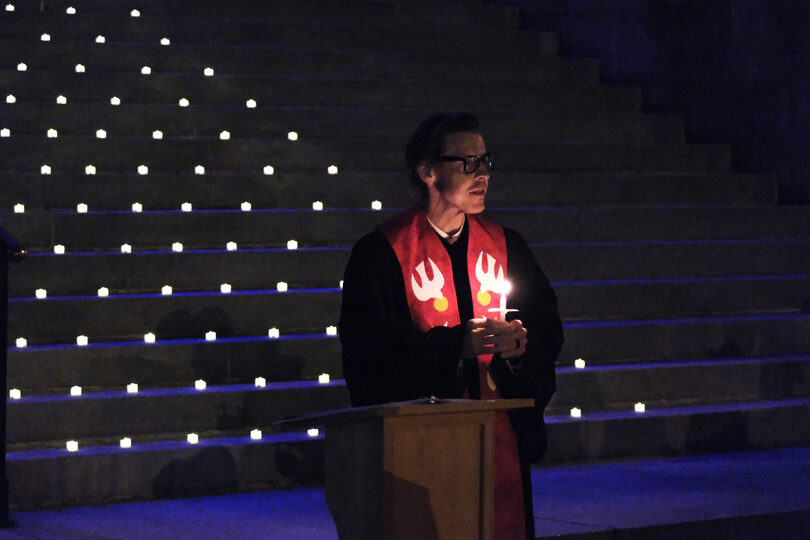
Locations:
{"points": [[52, 133], [81, 208], [9, 7], [269, 170], [137, 207], [341, 283], [149, 337], [183, 102], [250, 104], [71, 10], [292, 135], [22, 67], [177, 247], [332, 169], [61, 100], [126, 442], [323, 378], [101, 134], [576, 413], [210, 336], [146, 70], [115, 101], [225, 135], [72, 446], [260, 382], [11, 99], [41, 293], [256, 434], [79, 68], [505, 287], [579, 363], [165, 41], [5, 132], [157, 134], [208, 72], [231, 246], [132, 388], [21, 343], [331, 330], [640, 407], [90, 170], [225, 288], [166, 290], [76, 391], [135, 13], [376, 205], [317, 206], [14, 393], [199, 384], [103, 292], [281, 286], [192, 438], [126, 248], [199, 169], [292, 244], [312, 432], [100, 39], [59, 249], [186, 207], [45, 169], [81, 341], [19, 208], [246, 206], [273, 333]]}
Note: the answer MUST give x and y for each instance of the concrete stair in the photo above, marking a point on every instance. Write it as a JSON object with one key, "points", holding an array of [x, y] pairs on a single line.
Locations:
{"points": [[681, 284]]}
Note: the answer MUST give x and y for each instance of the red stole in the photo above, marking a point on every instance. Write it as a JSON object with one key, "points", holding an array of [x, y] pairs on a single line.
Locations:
{"points": [[431, 295]]}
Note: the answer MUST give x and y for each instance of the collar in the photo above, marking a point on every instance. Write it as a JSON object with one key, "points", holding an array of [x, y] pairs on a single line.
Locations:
{"points": [[450, 238]]}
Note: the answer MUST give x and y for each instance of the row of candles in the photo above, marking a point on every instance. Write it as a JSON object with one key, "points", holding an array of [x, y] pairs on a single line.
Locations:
{"points": [[157, 134], [115, 101], [81, 68], [143, 170], [70, 10], [177, 247], [246, 206]]}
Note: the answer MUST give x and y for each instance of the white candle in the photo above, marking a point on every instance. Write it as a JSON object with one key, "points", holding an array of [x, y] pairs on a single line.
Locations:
{"points": [[341, 283], [177, 247], [52, 133], [126, 442], [11, 99], [103, 292], [81, 208], [45, 37], [72, 446], [225, 135], [22, 67], [165, 41], [323, 378], [146, 70], [61, 100], [101, 134], [292, 244], [281, 286], [132, 388], [579, 363], [640, 407], [137, 207], [292, 135], [210, 336], [225, 288], [256, 434], [166, 290], [186, 207], [199, 170], [246, 206], [576, 413], [5, 132], [231, 246], [331, 330], [376, 205], [126, 248], [193, 438], [312, 432], [71, 10], [135, 13], [149, 337], [199, 384], [317, 206], [79, 68], [273, 333], [21, 343], [332, 169], [82, 341], [14, 393], [269, 170], [208, 72], [250, 104], [157, 134], [260, 382], [115, 101], [19, 208], [59, 249], [90, 170], [101, 39], [41, 293], [183, 102], [76, 391], [45, 169], [9, 7]]}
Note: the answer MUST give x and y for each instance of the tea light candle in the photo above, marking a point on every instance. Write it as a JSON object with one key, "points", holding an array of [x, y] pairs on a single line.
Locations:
{"points": [[19, 208], [59, 249], [165, 41], [260, 382], [132, 388], [71, 10], [312, 432], [45, 169], [323, 378], [208, 72], [341, 284], [115, 101], [292, 135], [82, 341], [103, 292], [199, 169], [177, 247], [576, 413], [5, 132], [45, 37], [331, 330], [193, 438], [52, 133], [72, 446], [149, 337], [246, 206], [225, 135], [186, 207], [146, 70], [90, 170], [41, 294], [579, 363], [281, 286], [292, 244], [231, 246], [76, 391], [256, 434], [15, 393], [640, 407], [101, 134], [268, 170], [317, 206], [183, 102], [273, 333], [79, 68], [22, 67], [199, 384], [225, 288], [137, 207], [81, 208], [11, 99], [21, 343], [332, 169], [100, 39], [135, 13], [166, 290], [9, 7], [126, 248], [250, 104], [376, 205], [157, 134], [61, 100], [210, 336], [126, 442]]}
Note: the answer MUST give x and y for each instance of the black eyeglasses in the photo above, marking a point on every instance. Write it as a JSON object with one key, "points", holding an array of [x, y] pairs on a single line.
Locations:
{"points": [[471, 163]]}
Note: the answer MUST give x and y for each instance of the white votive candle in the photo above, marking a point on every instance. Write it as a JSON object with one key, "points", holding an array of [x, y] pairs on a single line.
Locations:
{"points": [[90, 170], [137, 207], [273, 333], [157, 134], [260, 382], [579, 363], [183, 102], [126, 248], [132, 388], [72, 446], [281, 286], [41, 293], [82, 341], [331, 330], [640, 407], [292, 135], [101, 39], [126, 442], [143, 170], [246, 206], [11, 99], [231, 246], [317, 206], [71, 10], [256, 434], [193, 438], [135, 13], [59, 249], [376, 205], [332, 169], [45, 37], [146, 70], [208, 72], [323, 378], [177, 247], [210, 336], [5, 132], [576, 413], [52, 133], [225, 288], [115, 101], [225, 135], [199, 170], [250, 104], [149, 337], [103, 292], [81, 208], [45, 169], [186, 207], [200, 384], [19, 208], [101, 134], [15, 393], [76, 391], [80, 68], [21, 343], [292, 244], [268, 170], [166, 290], [61, 100], [312, 432], [341, 284], [165, 41], [22, 67]]}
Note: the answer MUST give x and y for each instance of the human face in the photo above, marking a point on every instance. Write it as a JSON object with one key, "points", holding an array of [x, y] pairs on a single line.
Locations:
{"points": [[451, 191]]}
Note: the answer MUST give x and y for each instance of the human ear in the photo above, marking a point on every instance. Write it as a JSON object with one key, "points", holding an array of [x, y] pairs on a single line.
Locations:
{"points": [[425, 172]]}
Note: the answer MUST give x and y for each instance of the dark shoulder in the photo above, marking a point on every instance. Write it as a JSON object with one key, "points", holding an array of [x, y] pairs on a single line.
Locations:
{"points": [[515, 241]]}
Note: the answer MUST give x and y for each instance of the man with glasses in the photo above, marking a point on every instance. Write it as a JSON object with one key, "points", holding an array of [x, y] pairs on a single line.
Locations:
{"points": [[420, 312]]}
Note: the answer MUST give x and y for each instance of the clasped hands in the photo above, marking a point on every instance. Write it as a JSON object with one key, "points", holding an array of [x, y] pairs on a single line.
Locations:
{"points": [[492, 336]]}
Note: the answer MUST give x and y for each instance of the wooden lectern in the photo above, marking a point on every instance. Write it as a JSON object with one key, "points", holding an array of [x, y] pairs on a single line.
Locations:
{"points": [[413, 470]]}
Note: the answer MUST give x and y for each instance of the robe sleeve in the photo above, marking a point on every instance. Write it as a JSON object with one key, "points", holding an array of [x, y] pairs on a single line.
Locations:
{"points": [[385, 356]]}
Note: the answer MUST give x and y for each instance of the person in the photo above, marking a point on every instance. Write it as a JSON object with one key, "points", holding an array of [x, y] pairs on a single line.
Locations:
{"points": [[417, 293]]}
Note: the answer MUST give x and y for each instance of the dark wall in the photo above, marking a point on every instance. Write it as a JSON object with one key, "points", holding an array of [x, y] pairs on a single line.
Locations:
{"points": [[739, 71]]}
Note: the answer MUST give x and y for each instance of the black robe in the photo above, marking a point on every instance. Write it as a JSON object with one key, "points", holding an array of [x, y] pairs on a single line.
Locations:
{"points": [[387, 358]]}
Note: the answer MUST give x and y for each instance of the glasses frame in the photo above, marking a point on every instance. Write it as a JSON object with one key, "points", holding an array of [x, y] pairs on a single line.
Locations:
{"points": [[487, 158]]}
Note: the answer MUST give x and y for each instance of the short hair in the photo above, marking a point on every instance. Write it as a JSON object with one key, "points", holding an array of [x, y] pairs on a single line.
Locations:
{"points": [[427, 141]]}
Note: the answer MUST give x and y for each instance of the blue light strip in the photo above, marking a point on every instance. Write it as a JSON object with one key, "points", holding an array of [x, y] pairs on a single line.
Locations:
{"points": [[689, 320], [703, 362]]}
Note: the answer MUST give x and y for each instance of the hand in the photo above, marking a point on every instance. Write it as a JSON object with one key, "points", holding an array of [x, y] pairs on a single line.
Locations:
{"points": [[492, 336]]}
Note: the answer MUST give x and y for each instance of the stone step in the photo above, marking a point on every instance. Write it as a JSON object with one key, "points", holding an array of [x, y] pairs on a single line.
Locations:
{"points": [[82, 274], [203, 92], [314, 122], [174, 468], [106, 231], [247, 60], [190, 315], [433, 14], [113, 365], [208, 32]]}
